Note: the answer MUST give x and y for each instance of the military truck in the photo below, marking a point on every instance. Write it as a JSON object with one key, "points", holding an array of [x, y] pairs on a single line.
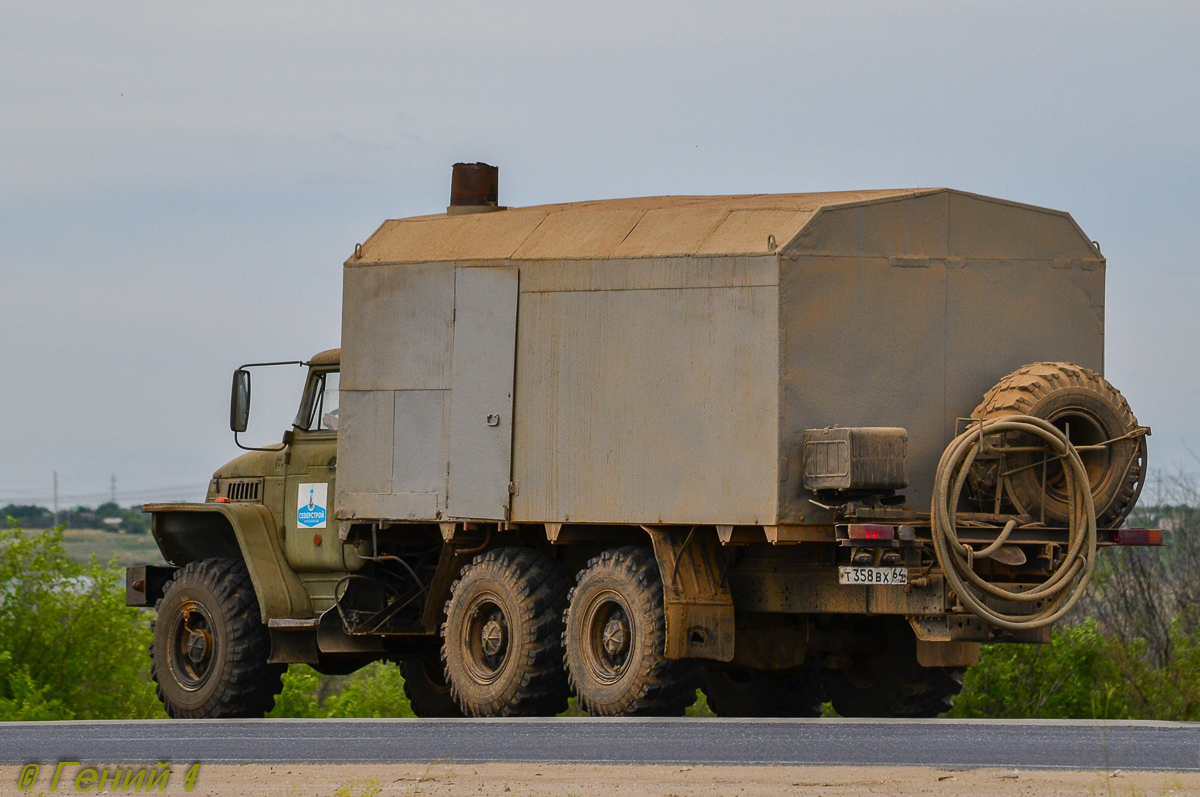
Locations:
{"points": [[787, 449]]}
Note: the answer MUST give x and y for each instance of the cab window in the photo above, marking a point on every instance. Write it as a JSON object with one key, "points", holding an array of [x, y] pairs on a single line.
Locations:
{"points": [[327, 408], [319, 409]]}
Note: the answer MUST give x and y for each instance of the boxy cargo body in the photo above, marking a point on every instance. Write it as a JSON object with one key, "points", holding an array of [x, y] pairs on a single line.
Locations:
{"points": [[658, 360]]}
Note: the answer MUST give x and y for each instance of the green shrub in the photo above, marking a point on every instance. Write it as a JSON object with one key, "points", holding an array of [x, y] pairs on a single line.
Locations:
{"points": [[69, 647], [376, 690], [1072, 677]]}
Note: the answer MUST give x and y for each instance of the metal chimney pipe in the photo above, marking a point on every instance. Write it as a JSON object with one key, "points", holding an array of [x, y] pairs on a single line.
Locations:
{"points": [[474, 188]]}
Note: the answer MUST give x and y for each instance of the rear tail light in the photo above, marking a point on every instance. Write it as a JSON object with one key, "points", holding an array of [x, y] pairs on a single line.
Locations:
{"points": [[1139, 537], [871, 531]]}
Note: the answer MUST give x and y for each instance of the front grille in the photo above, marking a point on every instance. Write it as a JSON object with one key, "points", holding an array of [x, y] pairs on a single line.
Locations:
{"points": [[243, 490]]}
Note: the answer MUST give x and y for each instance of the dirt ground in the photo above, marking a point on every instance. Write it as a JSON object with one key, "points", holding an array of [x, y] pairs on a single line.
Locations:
{"points": [[565, 780]]}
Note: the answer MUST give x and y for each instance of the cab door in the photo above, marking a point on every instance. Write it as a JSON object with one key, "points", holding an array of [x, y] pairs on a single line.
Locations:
{"points": [[311, 540]]}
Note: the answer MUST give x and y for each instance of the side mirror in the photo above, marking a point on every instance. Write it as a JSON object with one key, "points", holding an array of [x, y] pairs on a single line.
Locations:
{"points": [[239, 401]]}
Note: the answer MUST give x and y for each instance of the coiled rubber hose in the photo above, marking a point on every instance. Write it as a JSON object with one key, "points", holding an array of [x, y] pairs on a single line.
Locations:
{"points": [[1061, 591]]}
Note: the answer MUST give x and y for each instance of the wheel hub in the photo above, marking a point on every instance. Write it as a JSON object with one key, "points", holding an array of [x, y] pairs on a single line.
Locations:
{"points": [[484, 640], [616, 635], [492, 637], [199, 646], [192, 645], [608, 637]]}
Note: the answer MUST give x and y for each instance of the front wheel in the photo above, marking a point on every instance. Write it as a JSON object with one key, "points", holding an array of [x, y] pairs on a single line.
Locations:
{"points": [[210, 648]]}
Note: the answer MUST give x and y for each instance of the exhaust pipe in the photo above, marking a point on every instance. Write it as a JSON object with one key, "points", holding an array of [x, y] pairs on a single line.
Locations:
{"points": [[474, 188]]}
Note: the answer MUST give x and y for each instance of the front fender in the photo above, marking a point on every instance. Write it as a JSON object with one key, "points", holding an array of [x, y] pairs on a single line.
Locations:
{"points": [[187, 532]]}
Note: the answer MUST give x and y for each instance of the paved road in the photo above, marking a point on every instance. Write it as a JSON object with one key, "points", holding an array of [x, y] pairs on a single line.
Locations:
{"points": [[938, 743]]}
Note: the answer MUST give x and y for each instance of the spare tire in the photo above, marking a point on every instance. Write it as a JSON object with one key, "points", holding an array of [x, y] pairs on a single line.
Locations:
{"points": [[1086, 406]]}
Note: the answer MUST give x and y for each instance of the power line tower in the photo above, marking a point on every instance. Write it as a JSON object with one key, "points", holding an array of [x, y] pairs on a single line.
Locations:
{"points": [[55, 496], [113, 489]]}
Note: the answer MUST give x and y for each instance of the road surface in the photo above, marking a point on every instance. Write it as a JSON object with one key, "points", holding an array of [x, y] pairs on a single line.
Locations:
{"points": [[935, 743]]}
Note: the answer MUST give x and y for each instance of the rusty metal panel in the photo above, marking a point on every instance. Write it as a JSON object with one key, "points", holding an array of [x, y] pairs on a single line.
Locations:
{"points": [[647, 406], [481, 402], [855, 458], [907, 600], [766, 589], [699, 606], [758, 588], [397, 327]]}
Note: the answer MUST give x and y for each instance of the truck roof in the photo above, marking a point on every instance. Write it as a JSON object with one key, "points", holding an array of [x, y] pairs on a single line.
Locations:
{"points": [[327, 357], [622, 228]]}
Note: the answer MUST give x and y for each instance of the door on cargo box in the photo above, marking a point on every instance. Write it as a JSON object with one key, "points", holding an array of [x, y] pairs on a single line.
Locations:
{"points": [[481, 395]]}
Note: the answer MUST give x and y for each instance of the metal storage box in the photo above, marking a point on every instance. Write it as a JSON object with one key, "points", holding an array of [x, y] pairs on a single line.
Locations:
{"points": [[855, 459], [658, 360]]}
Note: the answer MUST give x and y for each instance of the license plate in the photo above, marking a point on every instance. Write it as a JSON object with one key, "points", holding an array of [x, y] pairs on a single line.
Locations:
{"points": [[873, 575]]}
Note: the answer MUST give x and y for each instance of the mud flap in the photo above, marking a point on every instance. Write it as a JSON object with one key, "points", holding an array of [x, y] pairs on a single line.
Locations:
{"points": [[699, 607]]}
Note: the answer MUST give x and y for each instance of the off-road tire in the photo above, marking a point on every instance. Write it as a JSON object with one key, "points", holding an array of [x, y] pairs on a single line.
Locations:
{"points": [[524, 592], [213, 600], [743, 692], [1096, 411], [426, 689], [640, 680], [891, 682]]}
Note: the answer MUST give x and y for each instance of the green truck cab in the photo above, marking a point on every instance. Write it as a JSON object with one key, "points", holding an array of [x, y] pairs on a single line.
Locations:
{"points": [[263, 560]]}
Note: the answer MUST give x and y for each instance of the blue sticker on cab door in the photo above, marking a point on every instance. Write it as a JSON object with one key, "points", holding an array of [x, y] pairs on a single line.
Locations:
{"points": [[311, 502]]}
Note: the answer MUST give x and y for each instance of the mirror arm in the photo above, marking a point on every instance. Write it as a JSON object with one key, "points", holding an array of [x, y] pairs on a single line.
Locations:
{"points": [[238, 443]]}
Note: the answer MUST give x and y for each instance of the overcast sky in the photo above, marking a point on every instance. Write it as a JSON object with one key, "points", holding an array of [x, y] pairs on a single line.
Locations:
{"points": [[180, 182]]}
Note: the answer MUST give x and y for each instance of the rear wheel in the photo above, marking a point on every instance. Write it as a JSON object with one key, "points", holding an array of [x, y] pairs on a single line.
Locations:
{"points": [[743, 692], [616, 638], [502, 639], [886, 680], [426, 688], [210, 648]]}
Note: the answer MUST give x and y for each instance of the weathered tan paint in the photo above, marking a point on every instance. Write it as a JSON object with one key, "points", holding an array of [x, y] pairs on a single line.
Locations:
{"points": [[672, 350], [904, 312]]}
